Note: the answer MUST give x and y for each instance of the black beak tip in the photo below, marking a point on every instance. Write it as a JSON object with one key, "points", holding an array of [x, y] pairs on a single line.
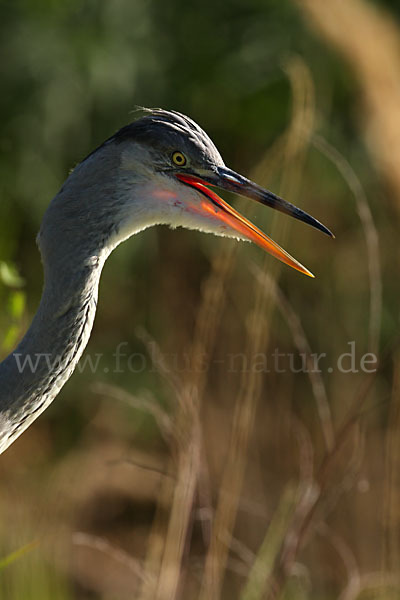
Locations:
{"points": [[306, 218], [327, 231]]}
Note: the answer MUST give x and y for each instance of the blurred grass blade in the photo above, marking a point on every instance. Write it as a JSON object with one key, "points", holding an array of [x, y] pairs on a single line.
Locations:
{"points": [[16, 304], [17, 554], [262, 569], [10, 338]]}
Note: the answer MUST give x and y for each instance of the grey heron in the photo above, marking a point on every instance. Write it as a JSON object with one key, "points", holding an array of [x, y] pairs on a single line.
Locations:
{"points": [[157, 170]]}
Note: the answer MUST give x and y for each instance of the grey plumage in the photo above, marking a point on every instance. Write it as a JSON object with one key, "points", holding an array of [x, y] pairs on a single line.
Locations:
{"points": [[127, 184]]}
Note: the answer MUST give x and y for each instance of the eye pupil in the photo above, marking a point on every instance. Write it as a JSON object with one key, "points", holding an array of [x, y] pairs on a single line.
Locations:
{"points": [[179, 158]]}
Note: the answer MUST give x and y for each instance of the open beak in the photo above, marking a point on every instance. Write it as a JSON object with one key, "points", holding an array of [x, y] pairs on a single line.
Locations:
{"points": [[233, 182]]}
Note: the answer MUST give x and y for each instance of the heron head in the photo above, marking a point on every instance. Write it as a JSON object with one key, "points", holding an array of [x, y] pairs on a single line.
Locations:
{"points": [[174, 164], [158, 170]]}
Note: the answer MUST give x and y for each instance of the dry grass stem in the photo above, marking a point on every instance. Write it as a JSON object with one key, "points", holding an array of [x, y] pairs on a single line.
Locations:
{"points": [[101, 545], [259, 582], [144, 403], [299, 337], [166, 558], [371, 238], [161, 366], [343, 550], [391, 491], [377, 66], [258, 333], [227, 506]]}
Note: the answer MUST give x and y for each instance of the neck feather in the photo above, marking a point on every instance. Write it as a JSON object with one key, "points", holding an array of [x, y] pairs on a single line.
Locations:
{"points": [[35, 372], [93, 212]]}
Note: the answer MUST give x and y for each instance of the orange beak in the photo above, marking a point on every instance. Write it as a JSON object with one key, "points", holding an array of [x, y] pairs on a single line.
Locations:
{"points": [[229, 180]]}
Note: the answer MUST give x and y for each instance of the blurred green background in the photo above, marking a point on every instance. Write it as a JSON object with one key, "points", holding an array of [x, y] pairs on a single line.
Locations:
{"points": [[284, 107]]}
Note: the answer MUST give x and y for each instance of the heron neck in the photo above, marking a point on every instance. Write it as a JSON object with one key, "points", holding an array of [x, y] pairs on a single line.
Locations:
{"points": [[32, 375]]}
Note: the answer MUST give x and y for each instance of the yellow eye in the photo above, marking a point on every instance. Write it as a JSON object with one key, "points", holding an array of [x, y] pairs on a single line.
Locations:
{"points": [[179, 159]]}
